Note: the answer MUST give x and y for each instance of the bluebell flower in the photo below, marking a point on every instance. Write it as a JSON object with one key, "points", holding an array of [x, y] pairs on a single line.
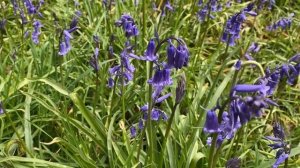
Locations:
{"points": [[65, 44], [233, 25], [279, 143], [23, 17], [36, 32], [30, 7], [238, 64], [171, 52], [233, 163], [15, 6], [65, 40], [254, 48], [124, 71], [94, 60], [1, 108], [262, 3], [169, 6], [110, 82], [141, 124], [154, 7], [246, 88], [283, 23], [156, 113], [211, 124], [295, 58], [150, 54], [133, 132], [161, 78], [214, 5], [181, 57], [2, 24], [128, 25], [200, 2]]}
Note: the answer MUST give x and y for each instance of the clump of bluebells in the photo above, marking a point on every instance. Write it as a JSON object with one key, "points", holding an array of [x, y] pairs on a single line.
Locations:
{"points": [[279, 144], [287, 72], [283, 23], [124, 70], [177, 58], [243, 108], [31, 10], [234, 24]]}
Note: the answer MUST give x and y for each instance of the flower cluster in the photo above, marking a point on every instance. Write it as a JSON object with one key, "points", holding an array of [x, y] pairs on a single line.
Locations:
{"points": [[279, 143], [31, 9], [36, 32], [65, 40], [124, 70], [234, 25], [177, 57], [242, 109], [289, 71], [283, 23], [128, 25], [210, 6]]}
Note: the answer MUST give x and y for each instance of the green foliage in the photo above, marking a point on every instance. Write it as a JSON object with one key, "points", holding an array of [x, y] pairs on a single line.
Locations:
{"points": [[60, 113]]}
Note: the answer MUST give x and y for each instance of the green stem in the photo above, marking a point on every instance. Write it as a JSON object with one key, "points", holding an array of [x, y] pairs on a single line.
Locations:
{"points": [[286, 163], [204, 34], [95, 94], [168, 129], [211, 160], [144, 20], [148, 125]]}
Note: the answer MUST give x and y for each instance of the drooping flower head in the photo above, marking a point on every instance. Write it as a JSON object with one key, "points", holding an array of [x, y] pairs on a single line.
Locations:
{"points": [[133, 132], [149, 54], [161, 78], [94, 60], [211, 124]]}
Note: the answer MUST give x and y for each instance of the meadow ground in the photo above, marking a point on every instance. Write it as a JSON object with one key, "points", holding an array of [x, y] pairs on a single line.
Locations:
{"points": [[150, 83]]}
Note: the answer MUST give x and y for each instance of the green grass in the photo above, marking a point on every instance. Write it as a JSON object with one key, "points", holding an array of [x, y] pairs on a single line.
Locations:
{"points": [[60, 113]]}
